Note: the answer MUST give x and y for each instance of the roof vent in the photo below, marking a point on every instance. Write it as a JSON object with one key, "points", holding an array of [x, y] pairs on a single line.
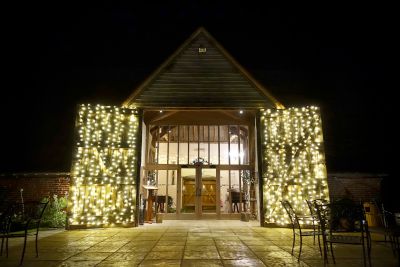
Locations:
{"points": [[202, 49]]}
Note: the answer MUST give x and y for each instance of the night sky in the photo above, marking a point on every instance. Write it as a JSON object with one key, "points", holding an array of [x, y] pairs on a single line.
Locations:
{"points": [[59, 55]]}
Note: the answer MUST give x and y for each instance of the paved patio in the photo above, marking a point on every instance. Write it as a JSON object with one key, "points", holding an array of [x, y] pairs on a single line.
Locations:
{"points": [[184, 243]]}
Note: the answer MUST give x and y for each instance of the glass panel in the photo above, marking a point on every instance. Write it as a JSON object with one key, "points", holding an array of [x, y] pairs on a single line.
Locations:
{"points": [[173, 153], [236, 192], [224, 137], [188, 190], [163, 133], [162, 190], [247, 188], [173, 134], [156, 143], [193, 133], [204, 151], [183, 144], [193, 149], [213, 134], [234, 145], [203, 130], [152, 143], [208, 191], [193, 145], [244, 145], [214, 153], [224, 185], [162, 153], [172, 191]]}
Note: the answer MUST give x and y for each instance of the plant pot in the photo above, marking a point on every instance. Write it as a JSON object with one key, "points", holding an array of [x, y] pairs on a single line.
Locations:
{"points": [[159, 218], [245, 216]]}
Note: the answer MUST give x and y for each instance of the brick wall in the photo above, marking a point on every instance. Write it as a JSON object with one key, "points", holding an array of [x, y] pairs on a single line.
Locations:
{"points": [[356, 186], [35, 186]]}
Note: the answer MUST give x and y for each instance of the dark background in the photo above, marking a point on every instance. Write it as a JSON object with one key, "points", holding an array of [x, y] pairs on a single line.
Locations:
{"points": [[57, 55]]}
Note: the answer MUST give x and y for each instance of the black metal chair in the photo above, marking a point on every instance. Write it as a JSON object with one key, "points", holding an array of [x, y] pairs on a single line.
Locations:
{"points": [[388, 228], [5, 211], [395, 241], [344, 225], [236, 200], [386, 222], [21, 218], [314, 215], [160, 200], [296, 227]]}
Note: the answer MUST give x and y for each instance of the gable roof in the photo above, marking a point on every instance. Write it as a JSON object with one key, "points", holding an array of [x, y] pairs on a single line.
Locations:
{"points": [[213, 79]]}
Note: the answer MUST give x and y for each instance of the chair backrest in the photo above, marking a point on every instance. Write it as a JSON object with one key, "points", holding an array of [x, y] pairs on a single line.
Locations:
{"points": [[324, 216], [337, 217], [291, 213], [313, 210], [312, 206], [6, 213], [236, 197], [29, 211], [386, 217], [161, 199]]}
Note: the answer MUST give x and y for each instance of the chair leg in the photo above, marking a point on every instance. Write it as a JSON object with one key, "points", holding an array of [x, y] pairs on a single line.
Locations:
{"points": [[23, 250], [333, 255], [37, 236], [394, 243], [369, 257], [314, 232], [325, 249], [364, 259], [319, 245], [369, 250], [294, 240], [2, 244], [326, 261], [301, 245], [7, 247]]}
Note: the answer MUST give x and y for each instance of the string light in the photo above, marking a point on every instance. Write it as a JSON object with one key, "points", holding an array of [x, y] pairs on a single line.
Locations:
{"points": [[294, 161], [103, 189]]}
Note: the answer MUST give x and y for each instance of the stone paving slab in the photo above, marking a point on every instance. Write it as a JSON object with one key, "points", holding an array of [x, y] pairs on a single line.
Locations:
{"points": [[185, 243]]}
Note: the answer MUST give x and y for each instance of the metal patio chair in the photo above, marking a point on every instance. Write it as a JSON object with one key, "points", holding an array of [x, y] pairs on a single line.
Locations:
{"points": [[330, 215], [388, 228], [386, 222], [5, 212], [295, 220], [314, 216], [19, 220]]}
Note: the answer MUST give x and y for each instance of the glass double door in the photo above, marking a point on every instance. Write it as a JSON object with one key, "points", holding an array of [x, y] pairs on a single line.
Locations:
{"points": [[199, 192]]}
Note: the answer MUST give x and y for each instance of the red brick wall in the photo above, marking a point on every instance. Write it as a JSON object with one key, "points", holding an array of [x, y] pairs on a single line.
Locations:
{"points": [[35, 186], [358, 187], [364, 187]]}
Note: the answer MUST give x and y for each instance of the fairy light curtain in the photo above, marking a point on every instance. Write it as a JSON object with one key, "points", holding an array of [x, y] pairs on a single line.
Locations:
{"points": [[103, 189], [293, 161]]}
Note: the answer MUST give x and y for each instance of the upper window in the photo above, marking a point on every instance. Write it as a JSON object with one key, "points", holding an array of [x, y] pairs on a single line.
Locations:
{"points": [[186, 144]]}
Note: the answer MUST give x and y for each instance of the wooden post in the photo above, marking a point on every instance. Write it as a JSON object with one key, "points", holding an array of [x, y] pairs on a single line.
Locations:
{"points": [[149, 212], [150, 200]]}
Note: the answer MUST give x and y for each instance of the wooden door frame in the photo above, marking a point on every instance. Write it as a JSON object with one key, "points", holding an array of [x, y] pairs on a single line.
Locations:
{"points": [[198, 211], [199, 185]]}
